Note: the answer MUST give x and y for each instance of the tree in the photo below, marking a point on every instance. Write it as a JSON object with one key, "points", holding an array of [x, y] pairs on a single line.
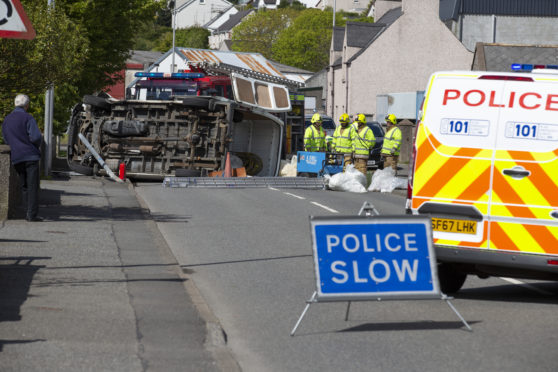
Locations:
{"points": [[295, 4], [30, 66], [110, 27], [305, 44], [191, 37], [261, 29]]}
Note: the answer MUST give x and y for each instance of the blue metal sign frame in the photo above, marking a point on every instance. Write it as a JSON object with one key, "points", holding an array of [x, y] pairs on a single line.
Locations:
{"points": [[374, 257]]}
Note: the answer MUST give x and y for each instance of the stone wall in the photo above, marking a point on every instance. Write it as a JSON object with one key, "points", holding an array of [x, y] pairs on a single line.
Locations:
{"points": [[10, 193]]}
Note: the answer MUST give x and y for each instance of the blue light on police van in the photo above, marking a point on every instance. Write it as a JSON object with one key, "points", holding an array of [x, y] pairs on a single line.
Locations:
{"points": [[554, 67], [516, 66]]}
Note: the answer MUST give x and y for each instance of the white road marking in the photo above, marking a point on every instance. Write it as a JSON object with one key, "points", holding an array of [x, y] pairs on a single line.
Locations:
{"points": [[293, 195], [325, 207], [273, 188], [529, 286]]}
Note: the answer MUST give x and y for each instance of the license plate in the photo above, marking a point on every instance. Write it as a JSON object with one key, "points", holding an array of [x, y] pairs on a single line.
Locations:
{"points": [[454, 226]]}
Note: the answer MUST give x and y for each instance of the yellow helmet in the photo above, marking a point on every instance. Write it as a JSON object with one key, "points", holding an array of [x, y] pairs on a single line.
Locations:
{"points": [[361, 118], [344, 118], [316, 118], [390, 118]]}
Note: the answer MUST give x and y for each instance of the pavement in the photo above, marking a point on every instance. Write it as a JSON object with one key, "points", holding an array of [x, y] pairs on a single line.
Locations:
{"points": [[94, 287]]}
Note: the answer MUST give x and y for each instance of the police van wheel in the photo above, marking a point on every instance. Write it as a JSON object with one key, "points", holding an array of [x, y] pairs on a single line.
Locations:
{"points": [[451, 279]]}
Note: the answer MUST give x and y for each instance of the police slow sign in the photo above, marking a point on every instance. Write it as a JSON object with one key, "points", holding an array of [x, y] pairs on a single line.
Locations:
{"points": [[359, 258]]}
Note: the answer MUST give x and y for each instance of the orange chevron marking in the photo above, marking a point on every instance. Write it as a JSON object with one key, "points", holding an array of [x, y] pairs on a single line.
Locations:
{"points": [[477, 189], [445, 173], [501, 238]]}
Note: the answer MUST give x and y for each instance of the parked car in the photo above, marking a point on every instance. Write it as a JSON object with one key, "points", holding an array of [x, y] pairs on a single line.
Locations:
{"points": [[375, 161], [328, 124]]}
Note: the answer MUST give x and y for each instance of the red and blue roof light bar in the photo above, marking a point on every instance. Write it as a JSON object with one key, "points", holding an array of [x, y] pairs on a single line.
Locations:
{"points": [[527, 67], [168, 75]]}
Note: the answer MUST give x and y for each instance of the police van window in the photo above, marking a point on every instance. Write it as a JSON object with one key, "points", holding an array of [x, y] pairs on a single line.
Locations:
{"points": [[229, 92]]}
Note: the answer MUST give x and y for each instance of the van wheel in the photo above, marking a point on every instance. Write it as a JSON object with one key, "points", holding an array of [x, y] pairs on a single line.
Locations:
{"points": [[451, 279], [96, 102]]}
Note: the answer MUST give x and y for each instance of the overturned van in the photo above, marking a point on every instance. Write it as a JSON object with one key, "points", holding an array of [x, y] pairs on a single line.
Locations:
{"points": [[181, 133]]}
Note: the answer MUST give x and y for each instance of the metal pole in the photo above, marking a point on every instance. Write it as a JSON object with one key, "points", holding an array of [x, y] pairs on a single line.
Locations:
{"points": [[334, 6], [49, 109], [173, 34]]}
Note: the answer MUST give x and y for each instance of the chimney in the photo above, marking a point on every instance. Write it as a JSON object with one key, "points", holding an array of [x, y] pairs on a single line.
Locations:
{"points": [[425, 8]]}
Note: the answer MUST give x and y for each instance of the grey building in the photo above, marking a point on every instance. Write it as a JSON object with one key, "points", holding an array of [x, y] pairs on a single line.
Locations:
{"points": [[506, 22]]}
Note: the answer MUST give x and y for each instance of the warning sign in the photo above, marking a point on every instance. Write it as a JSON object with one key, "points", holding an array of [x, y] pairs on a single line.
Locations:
{"points": [[14, 23], [367, 258]]}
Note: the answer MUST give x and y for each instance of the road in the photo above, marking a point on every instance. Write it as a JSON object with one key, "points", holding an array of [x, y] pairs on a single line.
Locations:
{"points": [[248, 252]]}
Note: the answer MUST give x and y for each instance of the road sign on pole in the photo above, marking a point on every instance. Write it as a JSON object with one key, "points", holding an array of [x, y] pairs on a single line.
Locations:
{"points": [[14, 23]]}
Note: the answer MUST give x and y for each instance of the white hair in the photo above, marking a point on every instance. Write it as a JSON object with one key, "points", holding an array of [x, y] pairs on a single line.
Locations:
{"points": [[21, 100]]}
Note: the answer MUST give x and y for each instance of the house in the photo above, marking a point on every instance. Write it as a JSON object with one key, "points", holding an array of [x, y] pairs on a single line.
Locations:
{"points": [[353, 6], [200, 12], [396, 54], [220, 35], [528, 22], [268, 4], [220, 19]]}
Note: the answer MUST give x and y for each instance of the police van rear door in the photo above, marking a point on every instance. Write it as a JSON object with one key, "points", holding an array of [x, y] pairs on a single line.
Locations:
{"points": [[453, 164], [524, 202]]}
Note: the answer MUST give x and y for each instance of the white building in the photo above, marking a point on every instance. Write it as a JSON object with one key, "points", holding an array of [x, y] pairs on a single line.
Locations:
{"points": [[201, 12]]}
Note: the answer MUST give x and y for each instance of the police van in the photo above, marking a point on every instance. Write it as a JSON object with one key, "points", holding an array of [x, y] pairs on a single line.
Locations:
{"points": [[485, 168]]}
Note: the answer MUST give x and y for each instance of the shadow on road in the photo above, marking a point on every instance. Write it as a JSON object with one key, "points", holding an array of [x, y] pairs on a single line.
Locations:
{"points": [[540, 293], [16, 275], [407, 326], [52, 209]]}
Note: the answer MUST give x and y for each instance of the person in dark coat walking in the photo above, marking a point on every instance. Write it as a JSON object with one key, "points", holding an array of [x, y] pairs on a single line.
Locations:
{"points": [[21, 132]]}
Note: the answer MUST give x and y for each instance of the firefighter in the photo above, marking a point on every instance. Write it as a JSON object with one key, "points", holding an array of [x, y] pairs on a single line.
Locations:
{"points": [[314, 136], [342, 142], [392, 143], [363, 141]]}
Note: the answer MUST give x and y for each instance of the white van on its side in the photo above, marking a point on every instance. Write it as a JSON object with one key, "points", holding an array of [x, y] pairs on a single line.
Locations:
{"points": [[485, 168]]}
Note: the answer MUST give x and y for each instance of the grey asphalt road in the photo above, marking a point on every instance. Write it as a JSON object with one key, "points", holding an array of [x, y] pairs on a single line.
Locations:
{"points": [[248, 252]]}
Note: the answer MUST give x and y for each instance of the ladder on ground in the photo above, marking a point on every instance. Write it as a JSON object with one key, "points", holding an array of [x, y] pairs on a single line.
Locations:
{"points": [[246, 182]]}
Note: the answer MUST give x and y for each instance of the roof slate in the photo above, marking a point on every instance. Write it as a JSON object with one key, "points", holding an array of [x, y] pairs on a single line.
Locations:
{"points": [[338, 38], [499, 57], [359, 34], [233, 20], [450, 9]]}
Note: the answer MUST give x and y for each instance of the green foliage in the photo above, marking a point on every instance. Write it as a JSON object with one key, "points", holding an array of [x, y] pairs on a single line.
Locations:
{"points": [[294, 4], [54, 57], [305, 44], [191, 37], [260, 30], [110, 27]]}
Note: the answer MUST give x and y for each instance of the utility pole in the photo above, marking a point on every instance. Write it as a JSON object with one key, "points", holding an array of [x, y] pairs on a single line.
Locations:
{"points": [[49, 109]]}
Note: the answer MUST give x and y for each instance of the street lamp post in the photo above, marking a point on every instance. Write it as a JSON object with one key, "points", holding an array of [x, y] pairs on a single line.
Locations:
{"points": [[173, 32]]}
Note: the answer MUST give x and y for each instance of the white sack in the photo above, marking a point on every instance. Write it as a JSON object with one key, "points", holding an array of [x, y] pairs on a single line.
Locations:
{"points": [[288, 169], [384, 180], [351, 180]]}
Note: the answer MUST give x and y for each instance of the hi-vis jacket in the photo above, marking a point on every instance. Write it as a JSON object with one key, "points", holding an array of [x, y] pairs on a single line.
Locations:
{"points": [[486, 166], [342, 141], [392, 142], [363, 140], [314, 139]]}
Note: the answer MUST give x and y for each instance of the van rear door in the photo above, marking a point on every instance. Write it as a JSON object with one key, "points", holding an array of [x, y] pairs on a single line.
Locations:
{"points": [[524, 202], [453, 164]]}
